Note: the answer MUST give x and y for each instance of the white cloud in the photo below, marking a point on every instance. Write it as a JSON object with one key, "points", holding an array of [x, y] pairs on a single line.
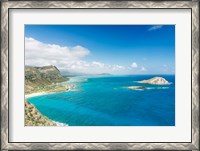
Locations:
{"points": [[67, 58], [38, 53], [143, 69], [98, 64], [155, 27], [118, 67], [134, 65], [95, 68]]}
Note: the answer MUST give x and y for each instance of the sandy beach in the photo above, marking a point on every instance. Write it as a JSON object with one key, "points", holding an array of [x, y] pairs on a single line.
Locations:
{"points": [[45, 93], [37, 94]]}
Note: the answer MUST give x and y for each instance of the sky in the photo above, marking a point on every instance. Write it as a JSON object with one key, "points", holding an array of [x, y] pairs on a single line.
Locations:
{"points": [[96, 49]]}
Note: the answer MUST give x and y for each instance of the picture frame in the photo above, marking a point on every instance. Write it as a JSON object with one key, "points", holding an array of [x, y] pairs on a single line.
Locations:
{"points": [[7, 6]]}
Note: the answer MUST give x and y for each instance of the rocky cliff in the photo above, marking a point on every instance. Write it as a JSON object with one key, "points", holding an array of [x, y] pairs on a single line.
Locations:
{"points": [[34, 118], [37, 78]]}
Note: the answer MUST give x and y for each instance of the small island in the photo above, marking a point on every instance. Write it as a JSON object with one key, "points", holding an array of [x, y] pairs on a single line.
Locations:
{"points": [[156, 80]]}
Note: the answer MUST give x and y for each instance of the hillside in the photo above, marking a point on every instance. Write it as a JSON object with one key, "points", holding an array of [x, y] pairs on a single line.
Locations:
{"points": [[42, 78], [34, 118]]}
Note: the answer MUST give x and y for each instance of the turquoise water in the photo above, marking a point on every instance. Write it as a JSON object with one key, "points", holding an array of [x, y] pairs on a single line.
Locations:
{"points": [[105, 101]]}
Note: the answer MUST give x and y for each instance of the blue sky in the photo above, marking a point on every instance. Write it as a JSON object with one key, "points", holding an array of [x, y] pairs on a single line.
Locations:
{"points": [[117, 49]]}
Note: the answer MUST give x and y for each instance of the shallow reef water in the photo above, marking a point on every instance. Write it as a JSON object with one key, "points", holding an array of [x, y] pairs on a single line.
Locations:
{"points": [[106, 101]]}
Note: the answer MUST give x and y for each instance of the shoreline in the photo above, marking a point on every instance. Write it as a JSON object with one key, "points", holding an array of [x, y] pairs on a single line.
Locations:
{"points": [[55, 123], [70, 87], [58, 123], [33, 117], [37, 94]]}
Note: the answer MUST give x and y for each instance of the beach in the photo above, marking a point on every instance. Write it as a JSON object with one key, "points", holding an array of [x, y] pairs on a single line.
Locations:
{"points": [[37, 94], [34, 116], [69, 87]]}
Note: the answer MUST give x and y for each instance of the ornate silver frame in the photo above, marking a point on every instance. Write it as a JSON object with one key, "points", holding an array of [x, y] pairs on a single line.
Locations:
{"points": [[6, 5]]}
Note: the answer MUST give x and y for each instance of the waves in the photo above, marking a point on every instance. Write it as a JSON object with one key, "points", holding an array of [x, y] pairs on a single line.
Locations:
{"points": [[60, 124], [77, 79], [145, 88], [153, 88], [74, 82]]}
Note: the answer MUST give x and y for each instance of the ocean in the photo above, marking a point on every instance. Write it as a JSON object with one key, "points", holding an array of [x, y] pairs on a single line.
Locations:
{"points": [[106, 101]]}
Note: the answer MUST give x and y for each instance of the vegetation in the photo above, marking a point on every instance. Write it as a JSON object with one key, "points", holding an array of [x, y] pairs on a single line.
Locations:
{"points": [[34, 118], [43, 79]]}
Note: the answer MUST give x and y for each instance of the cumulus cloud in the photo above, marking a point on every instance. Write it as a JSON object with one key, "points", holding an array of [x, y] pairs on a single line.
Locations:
{"points": [[134, 65], [66, 58], [143, 69], [94, 67], [155, 27], [38, 53], [98, 64]]}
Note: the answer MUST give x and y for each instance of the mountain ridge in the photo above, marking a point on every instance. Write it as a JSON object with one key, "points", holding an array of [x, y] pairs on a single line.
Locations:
{"points": [[37, 78]]}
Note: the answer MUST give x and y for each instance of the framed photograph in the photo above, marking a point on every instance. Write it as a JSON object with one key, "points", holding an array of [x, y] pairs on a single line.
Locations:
{"points": [[99, 75]]}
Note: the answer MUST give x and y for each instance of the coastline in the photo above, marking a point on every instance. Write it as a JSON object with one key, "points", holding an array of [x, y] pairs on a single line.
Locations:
{"points": [[59, 124], [37, 94], [33, 117], [37, 114], [69, 87]]}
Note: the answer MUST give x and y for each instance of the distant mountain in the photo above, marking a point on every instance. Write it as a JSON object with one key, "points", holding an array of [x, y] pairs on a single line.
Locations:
{"points": [[71, 74], [36, 77], [104, 74]]}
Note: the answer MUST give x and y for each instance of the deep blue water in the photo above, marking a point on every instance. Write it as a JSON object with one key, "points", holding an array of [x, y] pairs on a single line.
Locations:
{"points": [[105, 101]]}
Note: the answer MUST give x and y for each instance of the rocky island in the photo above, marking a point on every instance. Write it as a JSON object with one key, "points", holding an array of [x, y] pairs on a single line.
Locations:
{"points": [[156, 80], [38, 81]]}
